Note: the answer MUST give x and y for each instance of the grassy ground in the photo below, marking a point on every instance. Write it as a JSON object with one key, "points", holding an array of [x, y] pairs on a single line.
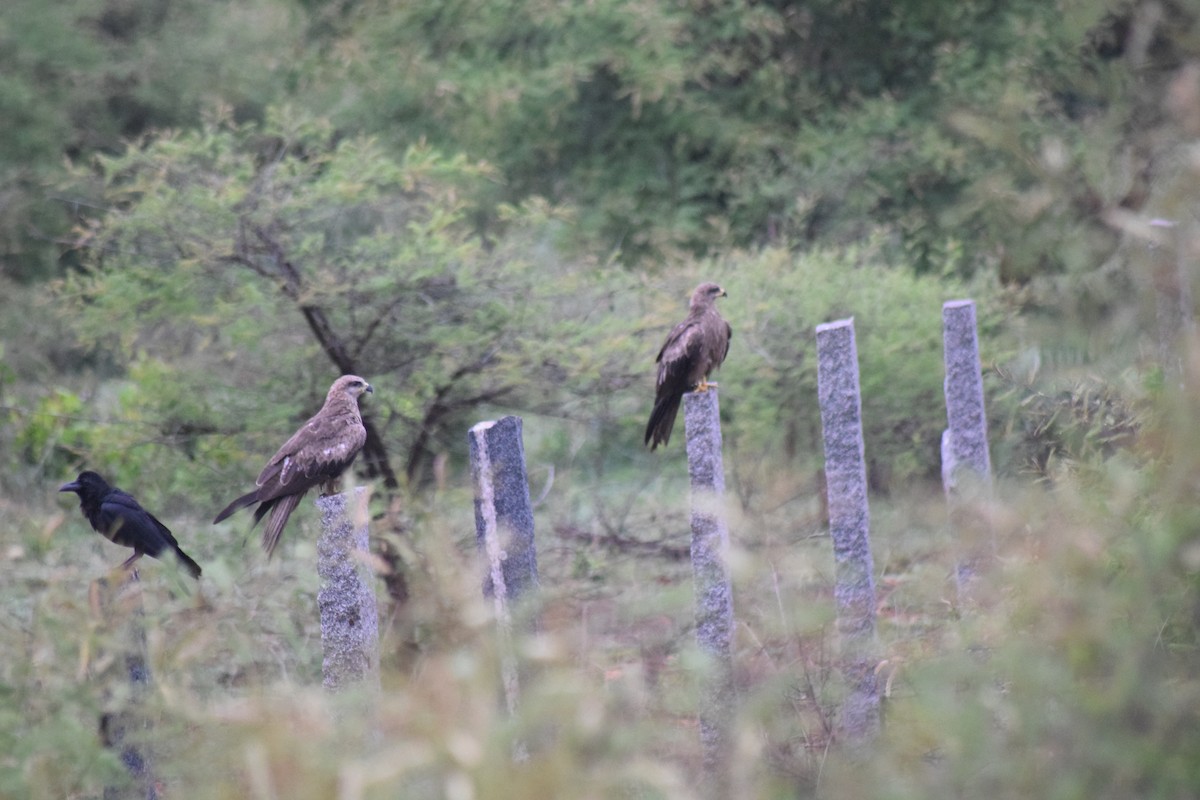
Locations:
{"points": [[1068, 671]]}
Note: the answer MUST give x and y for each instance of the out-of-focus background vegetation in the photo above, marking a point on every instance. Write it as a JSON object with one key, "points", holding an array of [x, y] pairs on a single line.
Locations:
{"points": [[209, 209]]}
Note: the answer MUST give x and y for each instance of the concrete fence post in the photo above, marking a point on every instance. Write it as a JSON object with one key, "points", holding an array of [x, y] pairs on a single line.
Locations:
{"points": [[849, 526], [502, 506], [349, 614], [712, 585], [504, 534], [1173, 248], [966, 462], [122, 604], [967, 444]]}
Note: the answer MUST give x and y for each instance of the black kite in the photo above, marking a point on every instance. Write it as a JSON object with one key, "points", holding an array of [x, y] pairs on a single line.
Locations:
{"points": [[318, 453], [694, 348]]}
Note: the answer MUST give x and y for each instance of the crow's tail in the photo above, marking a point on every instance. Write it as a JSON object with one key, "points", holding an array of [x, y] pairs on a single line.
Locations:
{"points": [[191, 566]]}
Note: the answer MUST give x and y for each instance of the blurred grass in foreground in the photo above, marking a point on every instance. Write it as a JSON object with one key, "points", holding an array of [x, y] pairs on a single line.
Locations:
{"points": [[1071, 672]]}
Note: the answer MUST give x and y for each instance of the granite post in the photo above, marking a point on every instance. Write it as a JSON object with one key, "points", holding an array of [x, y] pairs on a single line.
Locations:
{"points": [[849, 526], [712, 586], [966, 433], [122, 603], [504, 534], [966, 462], [1173, 247], [349, 614], [502, 506]]}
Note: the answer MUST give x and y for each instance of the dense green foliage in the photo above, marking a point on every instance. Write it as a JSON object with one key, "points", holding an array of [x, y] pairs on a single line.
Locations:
{"points": [[688, 124], [208, 210], [84, 76], [281, 241]]}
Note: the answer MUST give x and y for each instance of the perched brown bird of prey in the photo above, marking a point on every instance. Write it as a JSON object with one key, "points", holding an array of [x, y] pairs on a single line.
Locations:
{"points": [[694, 348], [318, 453], [117, 517]]}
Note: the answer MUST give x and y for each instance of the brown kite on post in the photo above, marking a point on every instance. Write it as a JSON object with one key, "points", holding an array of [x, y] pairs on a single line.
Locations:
{"points": [[318, 453], [694, 348]]}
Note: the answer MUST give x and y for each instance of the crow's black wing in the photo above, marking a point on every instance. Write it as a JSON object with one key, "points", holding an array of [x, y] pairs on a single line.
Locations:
{"points": [[124, 522]]}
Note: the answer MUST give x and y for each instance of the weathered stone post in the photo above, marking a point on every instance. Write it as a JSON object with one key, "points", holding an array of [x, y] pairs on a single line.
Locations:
{"points": [[849, 525], [966, 462], [502, 506], [504, 533], [122, 604], [712, 585], [1172, 247], [349, 614], [967, 445]]}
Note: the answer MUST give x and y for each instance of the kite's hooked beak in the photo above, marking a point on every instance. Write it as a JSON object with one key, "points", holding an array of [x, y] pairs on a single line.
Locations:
{"points": [[370, 389]]}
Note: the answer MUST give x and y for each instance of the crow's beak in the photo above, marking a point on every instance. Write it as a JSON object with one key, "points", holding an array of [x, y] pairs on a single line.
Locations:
{"points": [[73, 486]]}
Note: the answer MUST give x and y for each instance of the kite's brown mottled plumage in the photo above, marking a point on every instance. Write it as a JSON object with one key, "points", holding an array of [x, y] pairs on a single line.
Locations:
{"points": [[317, 454], [693, 350]]}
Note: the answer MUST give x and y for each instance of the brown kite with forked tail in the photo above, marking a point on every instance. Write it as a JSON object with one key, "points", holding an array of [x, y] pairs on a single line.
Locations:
{"points": [[694, 348], [318, 453]]}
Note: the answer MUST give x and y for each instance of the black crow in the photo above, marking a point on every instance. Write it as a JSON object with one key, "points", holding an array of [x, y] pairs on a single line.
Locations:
{"points": [[117, 517]]}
